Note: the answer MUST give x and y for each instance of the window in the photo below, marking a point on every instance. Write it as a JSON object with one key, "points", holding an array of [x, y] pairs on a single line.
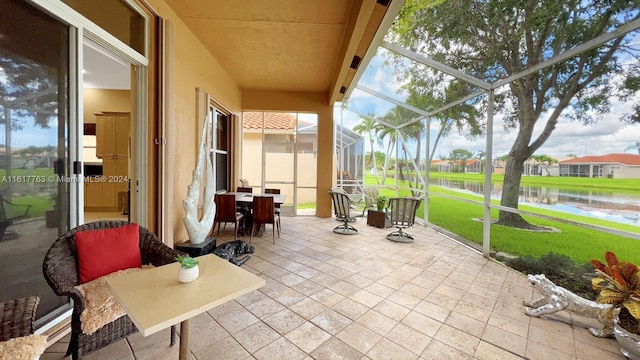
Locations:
{"points": [[220, 142]]}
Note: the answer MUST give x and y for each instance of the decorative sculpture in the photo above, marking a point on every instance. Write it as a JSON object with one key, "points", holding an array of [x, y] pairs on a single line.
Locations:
{"points": [[198, 229], [556, 298], [233, 249]]}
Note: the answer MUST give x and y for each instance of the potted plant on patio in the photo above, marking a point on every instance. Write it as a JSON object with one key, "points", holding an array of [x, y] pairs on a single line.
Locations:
{"points": [[189, 270], [381, 202], [618, 284]]}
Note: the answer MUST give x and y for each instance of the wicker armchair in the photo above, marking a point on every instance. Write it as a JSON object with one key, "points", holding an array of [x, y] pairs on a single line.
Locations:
{"points": [[17, 317], [61, 272]]}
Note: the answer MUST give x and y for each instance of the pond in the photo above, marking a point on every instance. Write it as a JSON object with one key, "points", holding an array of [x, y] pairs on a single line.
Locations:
{"points": [[602, 204]]}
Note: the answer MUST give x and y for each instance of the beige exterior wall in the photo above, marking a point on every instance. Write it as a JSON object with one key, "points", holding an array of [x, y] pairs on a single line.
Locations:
{"points": [[192, 67], [99, 100], [313, 102], [251, 159], [626, 172]]}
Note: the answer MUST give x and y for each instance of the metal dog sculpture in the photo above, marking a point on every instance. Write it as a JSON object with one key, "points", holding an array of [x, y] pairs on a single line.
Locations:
{"points": [[233, 249], [556, 298]]}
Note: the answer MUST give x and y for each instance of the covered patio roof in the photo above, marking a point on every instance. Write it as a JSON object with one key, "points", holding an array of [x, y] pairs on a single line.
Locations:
{"points": [[307, 46]]}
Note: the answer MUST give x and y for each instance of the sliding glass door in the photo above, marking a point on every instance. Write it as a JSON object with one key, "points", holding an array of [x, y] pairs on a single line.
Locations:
{"points": [[34, 148]]}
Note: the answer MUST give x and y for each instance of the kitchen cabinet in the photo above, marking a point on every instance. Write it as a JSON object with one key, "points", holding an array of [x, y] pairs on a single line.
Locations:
{"points": [[112, 135]]}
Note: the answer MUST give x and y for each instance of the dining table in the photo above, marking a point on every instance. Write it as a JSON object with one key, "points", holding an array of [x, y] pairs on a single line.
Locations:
{"points": [[246, 199]]}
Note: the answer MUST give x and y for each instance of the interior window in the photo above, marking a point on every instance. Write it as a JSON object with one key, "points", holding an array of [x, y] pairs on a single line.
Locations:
{"points": [[220, 148]]}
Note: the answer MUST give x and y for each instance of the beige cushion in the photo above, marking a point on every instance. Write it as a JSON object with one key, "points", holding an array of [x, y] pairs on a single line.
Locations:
{"points": [[101, 307], [23, 348]]}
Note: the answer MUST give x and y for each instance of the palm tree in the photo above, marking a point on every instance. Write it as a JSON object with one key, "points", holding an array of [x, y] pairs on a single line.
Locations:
{"points": [[635, 146], [481, 155], [369, 127]]}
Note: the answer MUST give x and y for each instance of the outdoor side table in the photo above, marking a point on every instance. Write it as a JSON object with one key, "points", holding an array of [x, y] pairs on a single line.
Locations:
{"points": [[378, 219]]}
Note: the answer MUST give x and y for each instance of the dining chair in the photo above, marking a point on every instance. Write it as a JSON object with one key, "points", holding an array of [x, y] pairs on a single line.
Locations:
{"points": [[245, 209], [226, 212], [274, 191], [402, 212], [264, 212]]}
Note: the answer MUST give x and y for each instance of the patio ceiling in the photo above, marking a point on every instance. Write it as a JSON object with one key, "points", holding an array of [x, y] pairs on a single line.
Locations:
{"points": [[284, 45]]}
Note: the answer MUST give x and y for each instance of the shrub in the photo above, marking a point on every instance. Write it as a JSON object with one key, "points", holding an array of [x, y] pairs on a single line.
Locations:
{"points": [[559, 269]]}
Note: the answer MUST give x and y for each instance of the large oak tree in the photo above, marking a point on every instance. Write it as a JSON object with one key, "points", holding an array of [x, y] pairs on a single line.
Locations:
{"points": [[494, 39]]}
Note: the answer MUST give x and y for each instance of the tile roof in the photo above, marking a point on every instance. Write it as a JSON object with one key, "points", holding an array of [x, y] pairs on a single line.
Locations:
{"points": [[272, 121], [627, 159]]}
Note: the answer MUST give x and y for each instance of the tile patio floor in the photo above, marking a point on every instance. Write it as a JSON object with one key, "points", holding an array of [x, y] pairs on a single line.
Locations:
{"points": [[332, 296]]}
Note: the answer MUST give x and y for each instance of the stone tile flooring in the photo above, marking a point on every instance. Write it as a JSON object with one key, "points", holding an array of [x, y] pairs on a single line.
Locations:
{"points": [[332, 296]]}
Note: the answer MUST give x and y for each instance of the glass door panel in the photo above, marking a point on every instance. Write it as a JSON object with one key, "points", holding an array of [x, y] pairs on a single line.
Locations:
{"points": [[34, 156], [307, 164], [279, 172]]}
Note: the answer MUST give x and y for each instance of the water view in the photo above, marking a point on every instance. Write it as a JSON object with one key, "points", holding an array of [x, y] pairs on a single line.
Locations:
{"points": [[602, 204]]}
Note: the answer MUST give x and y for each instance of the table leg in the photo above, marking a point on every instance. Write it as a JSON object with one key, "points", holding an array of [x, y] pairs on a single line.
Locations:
{"points": [[184, 340]]}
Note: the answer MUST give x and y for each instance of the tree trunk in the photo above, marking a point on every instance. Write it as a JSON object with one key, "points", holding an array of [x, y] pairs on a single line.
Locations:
{"points": [[511, 193], [373, 159]]}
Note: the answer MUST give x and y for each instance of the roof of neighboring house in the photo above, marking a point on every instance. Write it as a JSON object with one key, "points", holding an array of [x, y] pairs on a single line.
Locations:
{"points": [[272, 121], [626, 159]]}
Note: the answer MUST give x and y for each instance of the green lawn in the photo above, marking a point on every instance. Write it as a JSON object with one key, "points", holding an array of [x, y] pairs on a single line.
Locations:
{"points": [[579, 244]]}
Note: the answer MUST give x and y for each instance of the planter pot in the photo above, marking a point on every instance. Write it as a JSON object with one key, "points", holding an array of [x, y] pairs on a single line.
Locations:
{"points": [[629, 342], [51, 218], [188, 275], [380, 206]]}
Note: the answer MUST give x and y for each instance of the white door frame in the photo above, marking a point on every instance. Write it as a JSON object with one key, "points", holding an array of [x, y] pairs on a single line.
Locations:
{"points": [[82, 27]]}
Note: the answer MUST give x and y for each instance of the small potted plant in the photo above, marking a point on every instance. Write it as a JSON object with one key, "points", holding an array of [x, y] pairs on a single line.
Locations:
{"points": [[618, 284], [189, 270], [381, 202]]}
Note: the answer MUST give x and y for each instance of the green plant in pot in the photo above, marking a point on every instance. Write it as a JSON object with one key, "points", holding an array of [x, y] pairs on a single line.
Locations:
{"points": [[381, 201], [618, 284], [189, 270]]}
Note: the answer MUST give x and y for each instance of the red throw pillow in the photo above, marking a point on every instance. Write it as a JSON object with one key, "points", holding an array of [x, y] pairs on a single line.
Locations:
{"points": [[101, 252]]}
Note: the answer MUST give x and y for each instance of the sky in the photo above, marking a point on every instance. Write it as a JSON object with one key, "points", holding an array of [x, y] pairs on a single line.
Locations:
{"points": [[608, 135]]}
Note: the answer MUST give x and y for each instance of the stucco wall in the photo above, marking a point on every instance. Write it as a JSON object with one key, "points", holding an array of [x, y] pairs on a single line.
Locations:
{"points": [[99, 100], [193, 67], [631, 172]]}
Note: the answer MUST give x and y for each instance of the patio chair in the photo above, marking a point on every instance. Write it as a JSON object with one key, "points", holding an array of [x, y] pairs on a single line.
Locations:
{"points": [[9, 212], [264, 212], [226, 212], [61, 270], [17, 319], [369, 198], [342, 207], [402, 214]]}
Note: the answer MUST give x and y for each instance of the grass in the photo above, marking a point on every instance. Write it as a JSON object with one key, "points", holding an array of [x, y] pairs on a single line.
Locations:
{"points": [[39, 204], [556, 181], [579, 244]]}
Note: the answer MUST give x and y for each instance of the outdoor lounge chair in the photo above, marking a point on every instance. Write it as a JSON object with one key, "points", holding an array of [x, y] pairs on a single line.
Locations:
{"points": [[342, 207], [402, 213], [60, 268], [9, 212], [17, 326], [369, 198]]}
